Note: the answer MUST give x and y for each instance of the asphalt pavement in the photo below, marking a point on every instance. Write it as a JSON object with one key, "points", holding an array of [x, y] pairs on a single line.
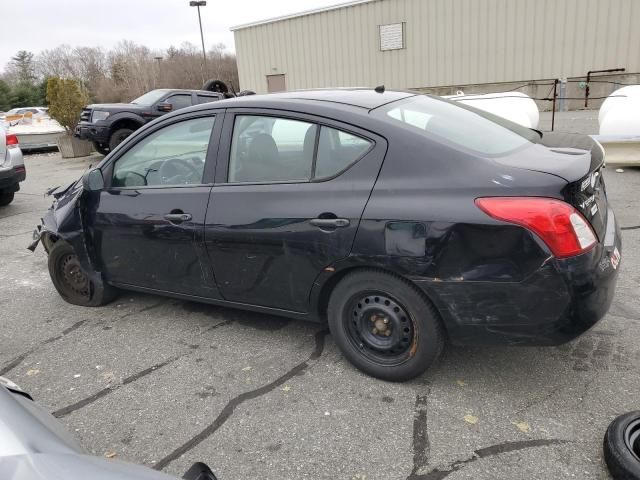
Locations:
{"points": [[165, 383]]}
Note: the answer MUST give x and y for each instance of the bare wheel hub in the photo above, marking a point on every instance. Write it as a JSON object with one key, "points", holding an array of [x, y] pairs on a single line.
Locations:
{"points": [[380, 327], [73, 276]]}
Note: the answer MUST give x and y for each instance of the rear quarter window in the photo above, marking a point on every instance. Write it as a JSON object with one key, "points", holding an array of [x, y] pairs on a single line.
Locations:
{"points": [[337, 150]]}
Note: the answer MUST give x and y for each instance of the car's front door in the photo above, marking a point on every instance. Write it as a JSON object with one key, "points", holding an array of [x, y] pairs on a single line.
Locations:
{"points": [[289, 194], [148, 224]]}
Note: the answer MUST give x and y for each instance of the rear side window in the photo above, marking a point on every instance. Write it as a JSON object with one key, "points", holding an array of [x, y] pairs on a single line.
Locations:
{"points": [[337, 150], [460, 125], [206, 98], [272, 149]]}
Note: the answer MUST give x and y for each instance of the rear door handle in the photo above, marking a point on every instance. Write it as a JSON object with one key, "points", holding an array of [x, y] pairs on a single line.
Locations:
{"points": [[330, 222], [177, 217]]}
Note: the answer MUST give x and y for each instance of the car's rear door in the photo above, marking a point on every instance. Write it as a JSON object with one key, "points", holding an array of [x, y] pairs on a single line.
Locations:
{"points": [[148, 223], [289, 194]]}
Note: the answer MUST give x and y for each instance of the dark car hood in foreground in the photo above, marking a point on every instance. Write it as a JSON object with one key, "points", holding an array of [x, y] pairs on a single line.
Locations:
{"points": [[35, 446]]}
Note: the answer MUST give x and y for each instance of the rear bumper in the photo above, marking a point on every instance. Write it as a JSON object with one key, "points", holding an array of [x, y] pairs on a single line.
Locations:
{"points": [[561, 301], [9, 180], [12, 171], [92, 132], [36, 141]]}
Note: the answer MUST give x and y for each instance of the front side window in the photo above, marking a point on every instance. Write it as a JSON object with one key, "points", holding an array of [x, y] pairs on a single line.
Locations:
{"points": [[174, 155], [460, 125], [271, 149], [179, 101]]}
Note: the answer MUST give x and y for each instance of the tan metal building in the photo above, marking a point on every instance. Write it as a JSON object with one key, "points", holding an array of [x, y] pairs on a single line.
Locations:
{"points": [[439, 45]]}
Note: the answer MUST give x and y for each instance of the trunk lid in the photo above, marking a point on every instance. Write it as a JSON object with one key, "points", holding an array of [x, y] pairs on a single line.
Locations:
{"points": [[579, 160]]}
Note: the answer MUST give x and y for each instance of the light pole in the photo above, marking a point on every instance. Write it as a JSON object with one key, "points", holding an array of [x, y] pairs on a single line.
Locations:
{"points": [[158, 58], [201, 3]]}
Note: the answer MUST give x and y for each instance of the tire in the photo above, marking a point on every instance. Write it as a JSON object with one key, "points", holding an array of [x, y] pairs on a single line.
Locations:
{"points": [[101, 148], [215, 86], [6, 198], [199, 471], [622, 447], [384, 325], [118, 137], [72, 282]]}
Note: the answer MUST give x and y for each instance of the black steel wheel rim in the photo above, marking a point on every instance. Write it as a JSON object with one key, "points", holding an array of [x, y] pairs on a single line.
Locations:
{"points": [[632, 438], [73, 278], [380, 328]]}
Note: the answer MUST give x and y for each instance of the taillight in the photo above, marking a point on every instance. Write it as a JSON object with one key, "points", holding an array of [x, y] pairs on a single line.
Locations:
{"points": [[557, 223], [12, 140]]}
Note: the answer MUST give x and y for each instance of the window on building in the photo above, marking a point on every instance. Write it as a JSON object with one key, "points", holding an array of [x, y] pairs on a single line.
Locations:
{"points": [[392, 36]]}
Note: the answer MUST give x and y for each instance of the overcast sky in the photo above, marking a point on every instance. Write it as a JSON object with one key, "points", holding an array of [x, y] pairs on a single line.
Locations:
{"points": [[37, 25]]}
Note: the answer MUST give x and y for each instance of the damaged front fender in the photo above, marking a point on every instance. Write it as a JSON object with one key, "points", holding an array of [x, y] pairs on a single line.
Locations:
{"points": [[65, 221]]}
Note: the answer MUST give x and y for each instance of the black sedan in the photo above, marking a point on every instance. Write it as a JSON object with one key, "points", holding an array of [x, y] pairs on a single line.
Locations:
{"points": [[402, 220]]}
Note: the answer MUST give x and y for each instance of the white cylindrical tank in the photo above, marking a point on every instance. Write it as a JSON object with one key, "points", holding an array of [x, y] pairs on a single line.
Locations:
{"points": [[514, 106], [620, 112]]}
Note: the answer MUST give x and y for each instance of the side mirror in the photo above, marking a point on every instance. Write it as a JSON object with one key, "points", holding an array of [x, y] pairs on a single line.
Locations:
{"points": [[165, 107], [93, 181]]}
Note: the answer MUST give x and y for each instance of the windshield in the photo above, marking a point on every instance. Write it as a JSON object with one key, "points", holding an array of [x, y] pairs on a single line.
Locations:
{"points": [[149, 98], [459, 124]]}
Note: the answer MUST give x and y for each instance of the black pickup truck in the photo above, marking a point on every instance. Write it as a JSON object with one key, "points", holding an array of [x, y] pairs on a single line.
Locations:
{"points": [[106, 125]]}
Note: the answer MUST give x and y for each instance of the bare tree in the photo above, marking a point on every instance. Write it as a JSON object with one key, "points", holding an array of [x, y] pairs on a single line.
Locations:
{"points": [[128, 70]]}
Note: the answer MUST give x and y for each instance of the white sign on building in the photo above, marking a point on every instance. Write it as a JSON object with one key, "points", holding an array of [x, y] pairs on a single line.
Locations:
{"points": [[392, 36]]}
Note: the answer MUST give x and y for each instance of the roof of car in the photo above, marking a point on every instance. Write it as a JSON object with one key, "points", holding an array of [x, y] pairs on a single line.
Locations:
{"points": [[366, 98], [189, 90]]}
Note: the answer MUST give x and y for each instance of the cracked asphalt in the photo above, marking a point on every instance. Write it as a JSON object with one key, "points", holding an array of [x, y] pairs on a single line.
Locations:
{"points": [[165, 383]]}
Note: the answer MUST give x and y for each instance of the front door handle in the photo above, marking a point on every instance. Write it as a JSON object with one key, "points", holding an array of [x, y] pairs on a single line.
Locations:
{"points": [[330, 222], [177, 217]]}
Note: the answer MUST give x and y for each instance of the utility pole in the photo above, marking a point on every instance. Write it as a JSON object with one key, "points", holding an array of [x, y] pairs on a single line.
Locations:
{"points": [[198, 4], [158, 58]]}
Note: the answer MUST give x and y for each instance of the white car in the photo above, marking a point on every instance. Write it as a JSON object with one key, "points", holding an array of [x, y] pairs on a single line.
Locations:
{"points": [[36, 111], [12, 169]]}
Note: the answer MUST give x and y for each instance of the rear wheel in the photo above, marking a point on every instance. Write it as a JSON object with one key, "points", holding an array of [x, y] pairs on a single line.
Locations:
{"points": [[118, 137], [101, 148], [72, 282], [384, 325], [6, 198], [622, 446]]}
